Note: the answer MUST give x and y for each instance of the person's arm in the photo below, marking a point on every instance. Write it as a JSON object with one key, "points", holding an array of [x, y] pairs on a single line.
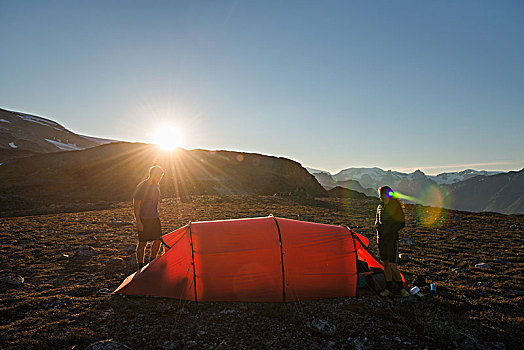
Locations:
{"points": [[136, 206], [378, 218], [400, 220]]}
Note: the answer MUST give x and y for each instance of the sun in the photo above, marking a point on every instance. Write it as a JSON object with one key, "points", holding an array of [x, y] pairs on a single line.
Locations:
{"points": [[167, 138]]}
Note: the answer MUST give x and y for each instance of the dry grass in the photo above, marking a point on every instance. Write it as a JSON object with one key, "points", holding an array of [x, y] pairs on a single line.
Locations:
{"points": [[59, 307]]}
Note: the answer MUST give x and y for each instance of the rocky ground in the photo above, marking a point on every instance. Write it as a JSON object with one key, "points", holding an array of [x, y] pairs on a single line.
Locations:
{"points": [[57, 269]]}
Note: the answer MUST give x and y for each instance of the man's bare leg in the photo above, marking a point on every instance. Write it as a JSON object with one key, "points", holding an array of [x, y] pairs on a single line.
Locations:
{"points": [[140, 252], [154, 249]]}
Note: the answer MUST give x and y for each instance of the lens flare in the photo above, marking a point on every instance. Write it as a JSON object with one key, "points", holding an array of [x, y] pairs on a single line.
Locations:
{"points": [[433, 201], [433, 212]]}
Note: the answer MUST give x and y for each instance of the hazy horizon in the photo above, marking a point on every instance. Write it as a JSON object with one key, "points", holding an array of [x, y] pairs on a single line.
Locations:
{"points": [[435, 86]]}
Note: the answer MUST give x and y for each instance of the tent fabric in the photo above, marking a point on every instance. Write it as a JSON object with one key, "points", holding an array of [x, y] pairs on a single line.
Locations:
{"points": [[265, 259]]}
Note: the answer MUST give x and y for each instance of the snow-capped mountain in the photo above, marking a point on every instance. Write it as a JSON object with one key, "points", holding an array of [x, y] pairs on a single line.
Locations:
{"points": [[451, 178], [23, 134], [316, 171], [466, 190], [370, 177], [373, 177]]}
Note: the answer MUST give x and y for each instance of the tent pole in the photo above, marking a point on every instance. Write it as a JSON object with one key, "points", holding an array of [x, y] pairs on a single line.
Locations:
{"points": [[356, 261], [366, 248], [281, 261], [193, 261]]}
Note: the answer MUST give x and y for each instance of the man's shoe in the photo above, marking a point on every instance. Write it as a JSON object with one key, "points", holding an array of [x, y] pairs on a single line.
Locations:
{"points": [[404, 293], [385, 293]]}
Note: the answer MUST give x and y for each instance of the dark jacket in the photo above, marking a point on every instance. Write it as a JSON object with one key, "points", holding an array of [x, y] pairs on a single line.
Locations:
{"points": [[390, 219]]}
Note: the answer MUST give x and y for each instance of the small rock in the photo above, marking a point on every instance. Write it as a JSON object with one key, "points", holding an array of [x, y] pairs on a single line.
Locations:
{"points": [[227, 311], [104, 291], [81, 291], [408, 241], [170, 345], [518, 292], [321, 327], [183, 311], [498, 345], [118, 223], [15, 280], [482, 284], [500, 261], [482, 266], [398, 340], [114, 261], [130, 249], [108, 344], [202, 332], [408, 300], [86, 251], [131, 260], [359, 343], [404, 258]]}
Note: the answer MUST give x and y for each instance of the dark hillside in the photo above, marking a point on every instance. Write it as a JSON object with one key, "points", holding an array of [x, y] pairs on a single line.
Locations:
{"points": [[111, 172], [502, 193], [25, 132]]}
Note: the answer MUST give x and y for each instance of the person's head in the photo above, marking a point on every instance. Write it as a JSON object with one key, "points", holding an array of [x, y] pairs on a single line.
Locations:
{"points": [[155, 174], [385, 193]]}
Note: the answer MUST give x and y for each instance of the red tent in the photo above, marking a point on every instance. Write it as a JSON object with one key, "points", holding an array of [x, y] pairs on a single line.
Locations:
{"points": [[257, 259]]}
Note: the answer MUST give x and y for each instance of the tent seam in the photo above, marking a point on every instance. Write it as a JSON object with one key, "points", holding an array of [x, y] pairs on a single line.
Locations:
{"points": [[193, 261], [281, 260]]}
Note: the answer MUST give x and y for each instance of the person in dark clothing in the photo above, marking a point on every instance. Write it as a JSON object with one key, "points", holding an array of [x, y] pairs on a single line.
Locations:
{"points": [[388, 222], [145, 204]]}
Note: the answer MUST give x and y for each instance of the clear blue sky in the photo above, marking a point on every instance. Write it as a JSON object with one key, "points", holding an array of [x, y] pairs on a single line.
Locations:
{"points": [[435, 85]]}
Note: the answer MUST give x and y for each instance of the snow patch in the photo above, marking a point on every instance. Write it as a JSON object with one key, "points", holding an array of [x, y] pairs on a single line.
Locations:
{"points": [[454, 177], [65, 146], [38, 120], [4, 121], [12, 144]]}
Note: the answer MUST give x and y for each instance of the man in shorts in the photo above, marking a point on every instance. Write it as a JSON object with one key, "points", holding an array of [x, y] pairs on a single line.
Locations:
{"points": [[145, 203]]}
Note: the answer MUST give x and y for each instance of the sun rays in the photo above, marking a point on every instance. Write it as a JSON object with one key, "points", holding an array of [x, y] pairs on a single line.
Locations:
{"points": [[167, 138]]}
